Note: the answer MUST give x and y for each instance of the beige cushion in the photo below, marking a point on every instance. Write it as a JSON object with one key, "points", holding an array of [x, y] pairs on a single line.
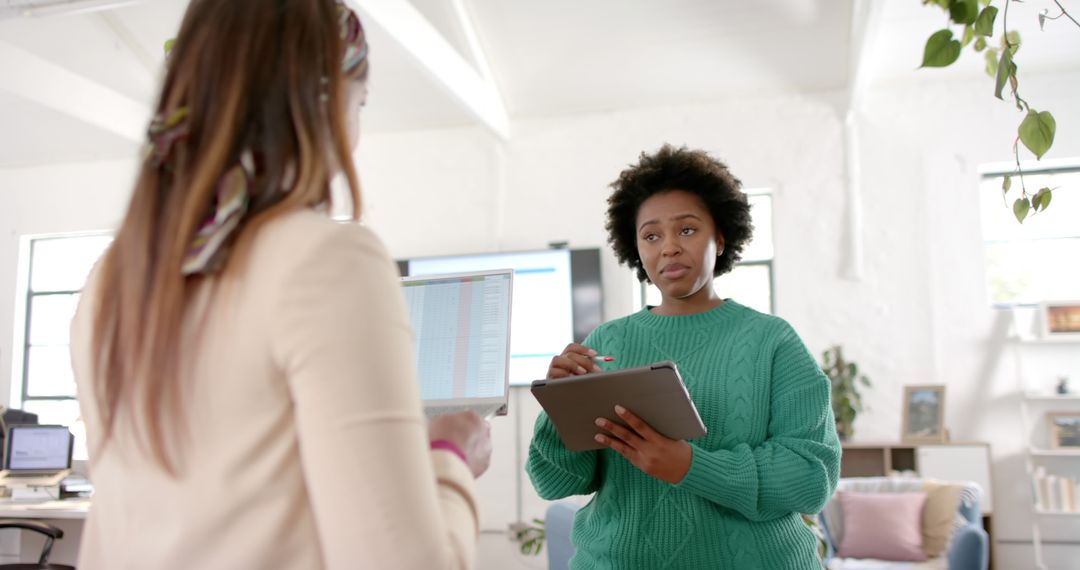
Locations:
{"points": [[939, 512]]}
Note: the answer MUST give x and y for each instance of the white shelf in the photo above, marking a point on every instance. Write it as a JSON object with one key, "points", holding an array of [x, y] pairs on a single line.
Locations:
{"points": [[1047, 396], [1053, 340], [1027, 343], [1055, 452], [1056, 513]]}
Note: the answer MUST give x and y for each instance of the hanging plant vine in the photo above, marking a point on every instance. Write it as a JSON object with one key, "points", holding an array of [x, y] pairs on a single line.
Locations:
{"points": [[1036, 131]]}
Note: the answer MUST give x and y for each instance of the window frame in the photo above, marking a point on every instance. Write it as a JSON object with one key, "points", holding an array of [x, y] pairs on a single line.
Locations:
{"points": [[20, 393], [768, 263], [999, 171]]}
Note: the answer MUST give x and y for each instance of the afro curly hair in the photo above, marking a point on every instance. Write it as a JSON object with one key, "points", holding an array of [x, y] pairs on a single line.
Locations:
{"points": [[692, 171]]}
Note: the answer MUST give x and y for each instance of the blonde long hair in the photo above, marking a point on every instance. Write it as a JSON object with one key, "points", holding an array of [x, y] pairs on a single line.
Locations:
{"points": [[254, 77]]}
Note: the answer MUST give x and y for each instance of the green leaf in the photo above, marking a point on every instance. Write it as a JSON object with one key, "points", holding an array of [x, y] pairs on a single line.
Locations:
{"points": [[991, 62], [1005, 68], [1041, 200], [984, 24], [1037, 132], [169, 43], [1006, 185], [964, 11], [969, 34], [980, 44], [1012, 40], [941, 49], [1020, 209]]}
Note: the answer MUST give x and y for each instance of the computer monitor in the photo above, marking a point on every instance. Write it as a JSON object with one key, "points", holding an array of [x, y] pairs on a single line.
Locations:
{"points": [[38, 448]]}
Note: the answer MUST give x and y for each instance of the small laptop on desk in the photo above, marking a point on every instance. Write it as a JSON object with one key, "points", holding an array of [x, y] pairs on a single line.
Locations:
{"points": [[462, 327], [36, 456]]}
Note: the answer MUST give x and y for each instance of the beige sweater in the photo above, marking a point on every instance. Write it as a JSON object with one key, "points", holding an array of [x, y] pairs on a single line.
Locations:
{"points": [[308, 447]]}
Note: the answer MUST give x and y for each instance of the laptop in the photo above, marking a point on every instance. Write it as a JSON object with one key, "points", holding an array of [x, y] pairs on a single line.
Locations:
{"points": [[36, 455], [462, 326]]}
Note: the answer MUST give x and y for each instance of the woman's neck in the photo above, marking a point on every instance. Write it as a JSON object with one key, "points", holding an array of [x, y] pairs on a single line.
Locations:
{"points": [[704, 300]]}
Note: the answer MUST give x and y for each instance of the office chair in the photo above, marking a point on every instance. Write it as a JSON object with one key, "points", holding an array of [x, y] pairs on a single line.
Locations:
{"points": [[51, 533], [11, 416]]}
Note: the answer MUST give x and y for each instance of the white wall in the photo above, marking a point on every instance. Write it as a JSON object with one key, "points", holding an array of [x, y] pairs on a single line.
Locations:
{"points": [[51, 199], [918, 314]]}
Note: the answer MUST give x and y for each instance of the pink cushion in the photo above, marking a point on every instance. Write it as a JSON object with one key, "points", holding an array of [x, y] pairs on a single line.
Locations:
{"points": [[885, 526]]}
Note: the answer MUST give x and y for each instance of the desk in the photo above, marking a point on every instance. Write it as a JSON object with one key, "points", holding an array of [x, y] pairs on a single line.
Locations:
{"points": [[65, 509], [67, 514]]}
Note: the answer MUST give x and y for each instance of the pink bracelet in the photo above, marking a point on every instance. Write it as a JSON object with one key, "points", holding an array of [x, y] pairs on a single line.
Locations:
{"points": [[449, 446]]}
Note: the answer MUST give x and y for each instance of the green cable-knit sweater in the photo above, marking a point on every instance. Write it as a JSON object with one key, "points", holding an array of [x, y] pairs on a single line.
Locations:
{"points": [[771, 451]]}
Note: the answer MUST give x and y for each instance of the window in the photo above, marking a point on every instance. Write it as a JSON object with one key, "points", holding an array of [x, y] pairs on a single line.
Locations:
{"points": [[58, 267], [1034, 261], [750, 282]]}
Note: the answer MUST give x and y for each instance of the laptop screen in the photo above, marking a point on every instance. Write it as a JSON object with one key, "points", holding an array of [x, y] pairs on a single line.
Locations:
{"points": [[462, 328], [38, 448]]}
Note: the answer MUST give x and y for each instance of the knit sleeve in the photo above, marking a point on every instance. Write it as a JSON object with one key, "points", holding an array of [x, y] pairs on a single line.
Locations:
{"points": [[557, 472], [795, 469]]}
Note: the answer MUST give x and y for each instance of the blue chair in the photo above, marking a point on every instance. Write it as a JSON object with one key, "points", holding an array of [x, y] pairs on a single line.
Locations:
{"points": [[970, 545], [558, 521]]}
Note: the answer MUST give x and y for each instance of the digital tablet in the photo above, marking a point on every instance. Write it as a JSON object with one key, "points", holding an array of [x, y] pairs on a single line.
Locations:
{"points": [[655, 393]]}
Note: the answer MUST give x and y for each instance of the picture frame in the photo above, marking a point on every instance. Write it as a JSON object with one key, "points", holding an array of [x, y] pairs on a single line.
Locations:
{"points": [[1064, 430], [1060, 319], [924, 414]]}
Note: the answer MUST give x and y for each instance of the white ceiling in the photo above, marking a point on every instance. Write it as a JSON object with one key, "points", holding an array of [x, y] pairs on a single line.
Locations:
{"points": [[548, 57], [560, 56]]}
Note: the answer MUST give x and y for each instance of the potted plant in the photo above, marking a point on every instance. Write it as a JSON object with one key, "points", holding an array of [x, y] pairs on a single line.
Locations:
{"points": [[845, 378], [529, 536]]}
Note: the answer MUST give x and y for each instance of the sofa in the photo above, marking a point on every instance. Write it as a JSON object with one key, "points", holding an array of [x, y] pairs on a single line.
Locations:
{"points": [[961, 539]]}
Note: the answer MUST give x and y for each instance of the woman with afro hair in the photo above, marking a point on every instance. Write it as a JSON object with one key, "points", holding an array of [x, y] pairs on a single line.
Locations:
{"points": [[733, 498]]}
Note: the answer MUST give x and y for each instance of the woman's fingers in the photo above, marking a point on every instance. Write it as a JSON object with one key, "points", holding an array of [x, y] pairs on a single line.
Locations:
{"points": [[568, 365], [616, 444], [627, 435], [575, 359], [637, 424], [575, 348], [582, 355]]}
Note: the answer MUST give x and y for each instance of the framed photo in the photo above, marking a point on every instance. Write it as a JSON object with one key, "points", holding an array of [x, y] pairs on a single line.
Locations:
{"points": [[924, 414], [1060, 319], [1064, 430]]}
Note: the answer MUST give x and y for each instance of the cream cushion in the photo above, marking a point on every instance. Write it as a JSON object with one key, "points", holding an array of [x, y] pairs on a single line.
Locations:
{"points": [[939, 515]]}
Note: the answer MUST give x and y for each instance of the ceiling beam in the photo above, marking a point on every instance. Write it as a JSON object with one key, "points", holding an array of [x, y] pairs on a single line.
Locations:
{"points": [[43, 8], [864, 48], [121, 31], [36, 79], [436, 56], [865, 24], [476, 48]]}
